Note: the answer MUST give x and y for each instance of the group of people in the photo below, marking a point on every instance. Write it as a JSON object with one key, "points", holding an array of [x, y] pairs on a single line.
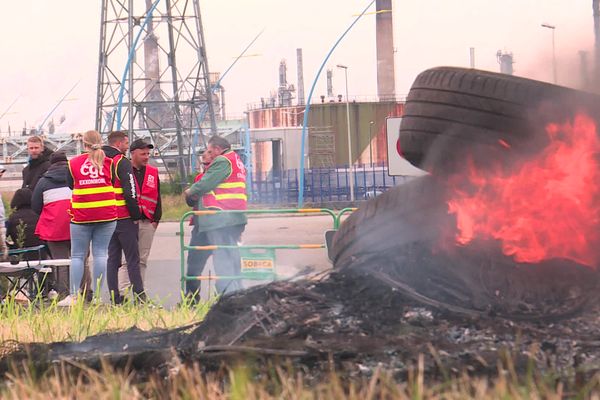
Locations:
{"points": [[103, 201], [100, 200]]}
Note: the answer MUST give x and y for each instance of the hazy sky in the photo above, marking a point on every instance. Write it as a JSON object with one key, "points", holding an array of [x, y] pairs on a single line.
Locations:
{"points": [[48, 46]]}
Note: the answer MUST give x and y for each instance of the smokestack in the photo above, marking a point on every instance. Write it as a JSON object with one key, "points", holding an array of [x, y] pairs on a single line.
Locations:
{"points": [[596, 8], [329, 83], [472, 56], [151, 66], [386, 81], [300, 69], [506, 62]]}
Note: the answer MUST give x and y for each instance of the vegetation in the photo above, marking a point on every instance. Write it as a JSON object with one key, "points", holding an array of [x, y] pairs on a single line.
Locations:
{"points": [[43, 322], [188, 382], [173, 207]]}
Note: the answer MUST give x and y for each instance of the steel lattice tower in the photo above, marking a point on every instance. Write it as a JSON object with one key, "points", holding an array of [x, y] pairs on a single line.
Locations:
{"points": [[153, 77]]}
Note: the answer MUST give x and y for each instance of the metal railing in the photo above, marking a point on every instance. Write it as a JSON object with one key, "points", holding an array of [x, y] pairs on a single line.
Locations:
{"points": [[321, 185]]}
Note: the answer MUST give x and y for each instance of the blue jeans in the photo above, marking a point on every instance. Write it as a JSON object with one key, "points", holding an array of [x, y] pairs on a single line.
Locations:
{"points": [[99, 235]]}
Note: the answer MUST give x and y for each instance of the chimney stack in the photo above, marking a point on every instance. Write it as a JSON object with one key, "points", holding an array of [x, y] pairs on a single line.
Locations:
{"points": [[300, 69], [596, 66], [386, 81]]}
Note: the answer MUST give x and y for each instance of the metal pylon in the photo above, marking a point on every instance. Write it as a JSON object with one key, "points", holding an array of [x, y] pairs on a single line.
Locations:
{"points": [[153, 77]]}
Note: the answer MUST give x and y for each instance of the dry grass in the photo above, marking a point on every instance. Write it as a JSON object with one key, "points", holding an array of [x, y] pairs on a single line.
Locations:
{"points": [[188, 382]]}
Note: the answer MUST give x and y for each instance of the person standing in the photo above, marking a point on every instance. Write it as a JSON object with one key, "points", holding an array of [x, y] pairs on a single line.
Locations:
{"points": [[93, 212], [148, 189], [197, 259], [222, 187], [125, 237], [3, 245], [51, 200], [38, 163]]}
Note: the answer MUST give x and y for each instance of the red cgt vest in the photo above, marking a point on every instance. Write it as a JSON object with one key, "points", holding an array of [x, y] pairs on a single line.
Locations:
{"points": [[93, 197], [122, 211], [231, 193], [148, 192]]}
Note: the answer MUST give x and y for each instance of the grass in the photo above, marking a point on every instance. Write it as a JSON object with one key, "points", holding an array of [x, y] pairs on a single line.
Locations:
{"points": [[42, 322], [173, 207], [282, 382]]}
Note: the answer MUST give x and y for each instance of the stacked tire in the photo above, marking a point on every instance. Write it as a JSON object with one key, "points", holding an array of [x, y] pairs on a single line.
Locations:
{"points": [[453, 116], [450, 111]]}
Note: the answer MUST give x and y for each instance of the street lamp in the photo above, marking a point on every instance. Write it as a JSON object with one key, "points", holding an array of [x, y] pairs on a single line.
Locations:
{"points": [[370, 148], [350, 165], [553, 28], [371, 155]]}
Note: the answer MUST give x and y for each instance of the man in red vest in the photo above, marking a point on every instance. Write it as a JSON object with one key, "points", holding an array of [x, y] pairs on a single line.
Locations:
{"points": [[197, 258], [148, 188], [125, 238], [222, 187]]}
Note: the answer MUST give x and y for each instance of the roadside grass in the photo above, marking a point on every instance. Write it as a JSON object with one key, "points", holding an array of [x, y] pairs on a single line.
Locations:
{"points": [[280, 382], [46, 322]]}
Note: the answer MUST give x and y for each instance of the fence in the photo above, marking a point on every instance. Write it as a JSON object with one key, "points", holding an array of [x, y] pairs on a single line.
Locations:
{"points": [[322, 185]]}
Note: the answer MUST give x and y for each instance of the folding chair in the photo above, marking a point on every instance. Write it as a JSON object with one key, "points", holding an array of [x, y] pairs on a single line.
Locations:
{"points": [[25, 276]]}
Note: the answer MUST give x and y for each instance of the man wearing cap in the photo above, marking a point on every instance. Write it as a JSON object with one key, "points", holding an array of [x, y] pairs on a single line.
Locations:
{"points": [[148, 188], [125, 238]]}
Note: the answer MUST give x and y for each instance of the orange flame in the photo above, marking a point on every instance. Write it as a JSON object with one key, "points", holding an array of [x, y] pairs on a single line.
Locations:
{"points": [[548, 209]]}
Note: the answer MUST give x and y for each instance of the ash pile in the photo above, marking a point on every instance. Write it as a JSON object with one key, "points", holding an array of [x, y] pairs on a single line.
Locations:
{"points": [[493, 256]]}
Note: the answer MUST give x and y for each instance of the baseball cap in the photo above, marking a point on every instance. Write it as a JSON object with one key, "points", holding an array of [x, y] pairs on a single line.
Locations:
{"points": [[140, 144]]}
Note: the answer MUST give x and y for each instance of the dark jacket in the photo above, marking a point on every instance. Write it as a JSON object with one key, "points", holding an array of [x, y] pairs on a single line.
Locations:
{"points": [[125, 174], [23, 214], [54, 178], [51, 201], [35, 169]]}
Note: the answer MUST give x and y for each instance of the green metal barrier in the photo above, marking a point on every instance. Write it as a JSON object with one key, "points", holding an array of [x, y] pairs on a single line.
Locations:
{"points": [[255, 265], [338, 218]]}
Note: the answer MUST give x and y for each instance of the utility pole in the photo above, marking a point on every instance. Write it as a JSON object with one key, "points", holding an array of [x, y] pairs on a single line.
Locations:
{"points": [[553, 28], [350, 163]]}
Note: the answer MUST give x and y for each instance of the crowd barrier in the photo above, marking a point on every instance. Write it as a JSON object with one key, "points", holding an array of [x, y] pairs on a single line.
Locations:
{"points": [[258, 261]]}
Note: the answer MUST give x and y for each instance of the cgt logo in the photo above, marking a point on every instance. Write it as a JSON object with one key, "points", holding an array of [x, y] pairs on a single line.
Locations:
{"points": [[151, 182], [88, 169]]}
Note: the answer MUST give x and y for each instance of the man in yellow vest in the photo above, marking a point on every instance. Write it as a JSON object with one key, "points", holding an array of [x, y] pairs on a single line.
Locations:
{"points": [[222, 187]]}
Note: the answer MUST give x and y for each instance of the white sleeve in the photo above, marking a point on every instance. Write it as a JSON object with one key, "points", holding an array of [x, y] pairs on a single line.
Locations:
{"points": [[2, 213]]}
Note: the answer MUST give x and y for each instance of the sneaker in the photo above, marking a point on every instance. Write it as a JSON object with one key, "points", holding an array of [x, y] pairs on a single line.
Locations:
{"points": [[67, 301], [53, 294]]}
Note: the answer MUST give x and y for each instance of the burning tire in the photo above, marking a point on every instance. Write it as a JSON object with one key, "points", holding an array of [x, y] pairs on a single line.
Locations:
{"points": [[405, 238], [450, 109]]}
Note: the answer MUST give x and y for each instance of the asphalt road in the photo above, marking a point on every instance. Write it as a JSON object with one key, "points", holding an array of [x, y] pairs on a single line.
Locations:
{"points": [[164, 269]]}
